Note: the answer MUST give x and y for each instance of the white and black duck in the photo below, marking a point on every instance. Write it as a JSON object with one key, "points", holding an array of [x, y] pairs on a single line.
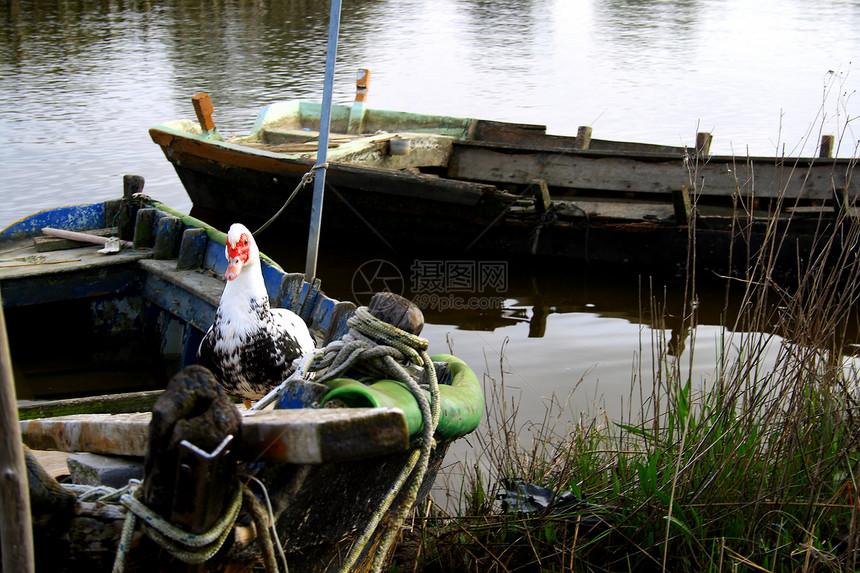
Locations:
{"points": [[251, 347]]}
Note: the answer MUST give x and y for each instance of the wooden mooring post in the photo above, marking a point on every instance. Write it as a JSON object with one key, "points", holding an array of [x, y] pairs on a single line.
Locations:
{"points": [[826, 149], [190, 463], [16, 530]]}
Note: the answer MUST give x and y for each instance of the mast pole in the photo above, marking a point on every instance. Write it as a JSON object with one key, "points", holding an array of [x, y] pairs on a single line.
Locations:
{"points": [[322, 150]]}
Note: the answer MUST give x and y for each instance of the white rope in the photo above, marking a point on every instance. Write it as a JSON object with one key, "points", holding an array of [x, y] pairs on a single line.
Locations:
{"points": [[273, 532]]}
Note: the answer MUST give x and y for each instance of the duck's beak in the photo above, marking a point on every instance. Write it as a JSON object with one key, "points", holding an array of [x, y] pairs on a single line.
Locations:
{"points": [[234, 268]]}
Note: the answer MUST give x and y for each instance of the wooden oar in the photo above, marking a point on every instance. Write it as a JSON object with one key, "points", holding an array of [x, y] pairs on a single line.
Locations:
{"points": [[83, 237]]}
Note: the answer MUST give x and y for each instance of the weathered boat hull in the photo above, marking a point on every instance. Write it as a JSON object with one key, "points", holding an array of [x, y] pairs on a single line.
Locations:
{"points": [[512, 189], [319, 536], [222, 177]]}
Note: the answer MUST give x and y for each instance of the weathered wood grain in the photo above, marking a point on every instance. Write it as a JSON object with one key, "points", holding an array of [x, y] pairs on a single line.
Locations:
{"points": [[289, 436]]}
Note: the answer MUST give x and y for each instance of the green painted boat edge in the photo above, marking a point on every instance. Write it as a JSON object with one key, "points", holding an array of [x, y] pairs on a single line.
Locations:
{"points": [[214, 234], [298, 115], [128, 402]]}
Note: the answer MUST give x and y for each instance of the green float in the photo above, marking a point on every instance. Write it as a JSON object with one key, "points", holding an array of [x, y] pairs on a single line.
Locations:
{"points": [[461, 403]]}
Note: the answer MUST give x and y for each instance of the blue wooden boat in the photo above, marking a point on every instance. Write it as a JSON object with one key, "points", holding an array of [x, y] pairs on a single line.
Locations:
{"points": [[127, 321], [160, 295]]}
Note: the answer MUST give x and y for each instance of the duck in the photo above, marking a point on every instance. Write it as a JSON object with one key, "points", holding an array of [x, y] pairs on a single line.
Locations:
{"points": [[250, 347]]}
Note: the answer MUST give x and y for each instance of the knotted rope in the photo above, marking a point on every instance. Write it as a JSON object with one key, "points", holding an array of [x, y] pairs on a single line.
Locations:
{"points": [[187, 547]]}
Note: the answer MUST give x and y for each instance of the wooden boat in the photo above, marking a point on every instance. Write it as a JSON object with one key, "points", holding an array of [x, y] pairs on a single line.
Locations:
{"points": [[461, 184], [138, 315]]}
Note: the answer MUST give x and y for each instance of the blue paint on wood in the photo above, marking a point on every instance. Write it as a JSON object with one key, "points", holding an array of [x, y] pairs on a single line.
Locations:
{"points": [[290, 292], [216, 258], [116, 314], [341, 312], [179, 302], [272, 277], [309, 302], [193, 337], [168, 234], [122, 280], [172, 336], [322, 313], [192, 249], [74, 218], [301, 394]]}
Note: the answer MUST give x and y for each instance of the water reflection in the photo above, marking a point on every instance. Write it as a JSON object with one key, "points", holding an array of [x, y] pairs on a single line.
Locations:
{"points": [[81, 82], [650, 27], [529, 295], [507, 31]]}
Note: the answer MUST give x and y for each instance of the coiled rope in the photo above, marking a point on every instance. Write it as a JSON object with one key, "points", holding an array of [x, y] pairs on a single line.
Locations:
{"points": [[391, 352]]}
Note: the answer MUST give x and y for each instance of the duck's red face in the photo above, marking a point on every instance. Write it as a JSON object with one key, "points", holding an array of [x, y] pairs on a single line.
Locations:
{"points": [[237, 256]]}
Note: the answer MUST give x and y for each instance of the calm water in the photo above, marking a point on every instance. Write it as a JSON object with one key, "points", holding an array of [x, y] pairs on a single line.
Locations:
{"points": [[80, 83]]}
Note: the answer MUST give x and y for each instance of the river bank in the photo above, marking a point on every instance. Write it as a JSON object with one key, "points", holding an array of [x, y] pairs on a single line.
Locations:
{"points": [[755, 470]]}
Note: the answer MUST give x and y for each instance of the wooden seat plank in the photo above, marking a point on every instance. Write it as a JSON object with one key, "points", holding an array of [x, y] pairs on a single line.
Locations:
{"points": [[302, 436]]}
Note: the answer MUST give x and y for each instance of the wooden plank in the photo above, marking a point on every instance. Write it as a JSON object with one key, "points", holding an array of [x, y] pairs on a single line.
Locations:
{"points": [[131, 184], [608, 145], [504, 132], [804, 178], [826, 150], [308, 149], [192, 249], [124, 403], [421, 150], [304, 139], [534, 137], [362, 81], [682, 205], [68, 275], [302, 436], [423, 187], [634, 211], [703, 143], [189, 294], [542, 199], [358, 109], [144, 228], [168, 235]]}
